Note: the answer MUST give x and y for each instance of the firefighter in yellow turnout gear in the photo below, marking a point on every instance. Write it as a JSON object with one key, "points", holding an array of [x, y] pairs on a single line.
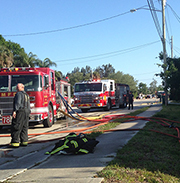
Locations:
{"points": [[74, 144]]}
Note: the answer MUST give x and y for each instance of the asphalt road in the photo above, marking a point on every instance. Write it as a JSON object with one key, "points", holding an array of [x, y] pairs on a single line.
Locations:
{"points": [[63, 124], [30, 164]]}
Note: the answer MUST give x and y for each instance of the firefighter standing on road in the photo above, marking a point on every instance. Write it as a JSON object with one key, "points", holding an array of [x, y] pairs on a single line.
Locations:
{"points": [[131, 100], [20, 120]]}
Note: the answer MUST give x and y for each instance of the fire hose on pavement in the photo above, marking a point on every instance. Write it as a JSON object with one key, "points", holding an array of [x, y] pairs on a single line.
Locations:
{"points": [[106, 119], [161, 121]]}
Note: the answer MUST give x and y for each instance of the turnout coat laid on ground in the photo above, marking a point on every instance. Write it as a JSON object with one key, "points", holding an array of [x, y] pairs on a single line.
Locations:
{"points": [[74, 144]]}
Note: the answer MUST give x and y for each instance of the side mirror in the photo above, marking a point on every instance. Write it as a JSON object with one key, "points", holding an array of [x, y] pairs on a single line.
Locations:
{"points": [[104, 88], [46, 81]]}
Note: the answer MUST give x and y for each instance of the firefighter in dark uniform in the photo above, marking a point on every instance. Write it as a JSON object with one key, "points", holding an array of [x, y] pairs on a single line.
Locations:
{"points": [[131, 100], [20, 117]]}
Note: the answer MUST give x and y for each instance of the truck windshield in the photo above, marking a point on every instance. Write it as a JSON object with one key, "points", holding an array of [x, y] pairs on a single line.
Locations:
{"points": [[3, 83], [88, 87], [31, 82]]}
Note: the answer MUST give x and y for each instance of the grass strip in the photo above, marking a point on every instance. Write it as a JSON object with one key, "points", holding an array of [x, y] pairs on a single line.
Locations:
{"points": [[148, 157], [98, 131]]}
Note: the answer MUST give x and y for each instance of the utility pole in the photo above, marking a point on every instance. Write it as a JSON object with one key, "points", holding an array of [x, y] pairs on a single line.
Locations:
{"points": [[164, 50], [171, 46]]}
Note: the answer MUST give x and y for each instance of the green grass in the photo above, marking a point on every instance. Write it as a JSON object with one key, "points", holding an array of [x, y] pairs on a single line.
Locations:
{"points": [[148, 157], [98, 131]]}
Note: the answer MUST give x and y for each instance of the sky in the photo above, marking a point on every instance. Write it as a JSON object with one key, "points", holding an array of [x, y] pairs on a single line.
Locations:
{"points": [[80, 33]]}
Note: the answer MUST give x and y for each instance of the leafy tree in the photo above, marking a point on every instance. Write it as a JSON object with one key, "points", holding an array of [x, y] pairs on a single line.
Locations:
{"points": [[88, 70], [83, 70], [119, 77], [15, 48], [87, 77], [74, 78], [96, 75], [6, 56], [21, 60], [153, 86], [19, 54], [108, 69], [143, 88], [100, 71], [105, 70], [76, 69], [173, 73], [58, 75], [159, 88], [84, 74], [2, 41]]}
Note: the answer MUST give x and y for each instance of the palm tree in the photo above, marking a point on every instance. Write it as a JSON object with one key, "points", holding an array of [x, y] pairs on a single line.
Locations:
{"points": [[58, 75], [32, 58], [45, 63]]}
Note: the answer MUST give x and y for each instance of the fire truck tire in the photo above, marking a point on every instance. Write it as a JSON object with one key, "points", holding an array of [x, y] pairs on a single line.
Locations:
{"points": [[50, 119], [64, 117], [124, 105], [84, 110], [108, 106]]}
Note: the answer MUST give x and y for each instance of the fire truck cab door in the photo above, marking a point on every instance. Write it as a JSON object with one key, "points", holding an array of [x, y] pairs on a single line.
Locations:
{"points": [[104, 87], [46, 89], [46, 81]]}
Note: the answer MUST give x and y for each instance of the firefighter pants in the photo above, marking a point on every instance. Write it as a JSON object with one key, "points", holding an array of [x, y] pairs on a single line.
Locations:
{"points": [[19, 127], [130, 105]]}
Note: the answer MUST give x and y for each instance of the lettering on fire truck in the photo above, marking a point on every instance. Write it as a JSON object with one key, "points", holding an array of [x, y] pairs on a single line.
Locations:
{"points": [[8, 94]]}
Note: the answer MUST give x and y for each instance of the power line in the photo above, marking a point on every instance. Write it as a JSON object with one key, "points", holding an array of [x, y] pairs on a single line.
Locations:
{"points": [[175, 14], [176, 49], [67, 28], [146, 73], [169, 22], [178, 18], [107, 55], [154, 15], [73, 27], [140, 80]]}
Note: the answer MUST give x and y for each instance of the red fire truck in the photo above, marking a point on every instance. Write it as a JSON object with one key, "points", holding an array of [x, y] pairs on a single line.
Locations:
{"points": [[100, 93], [40, 84]]}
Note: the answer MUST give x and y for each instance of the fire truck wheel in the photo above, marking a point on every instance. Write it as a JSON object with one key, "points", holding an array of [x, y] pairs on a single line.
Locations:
{"points": [[84, 110], [50, 119], [108, 106], [124, 105]]}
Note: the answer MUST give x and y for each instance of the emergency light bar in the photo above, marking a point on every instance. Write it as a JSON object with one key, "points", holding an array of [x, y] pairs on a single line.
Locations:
{"points": [[96, 80], [16, 69]]}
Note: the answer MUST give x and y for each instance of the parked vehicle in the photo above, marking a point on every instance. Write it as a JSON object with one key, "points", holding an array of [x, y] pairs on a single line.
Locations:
{"points": [[148, 96], [100, 94], [40, 85], [160, 94]]}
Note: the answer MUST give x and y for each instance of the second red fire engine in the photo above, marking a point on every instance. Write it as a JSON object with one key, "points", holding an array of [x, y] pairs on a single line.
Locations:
{"points": [[100, 93]]}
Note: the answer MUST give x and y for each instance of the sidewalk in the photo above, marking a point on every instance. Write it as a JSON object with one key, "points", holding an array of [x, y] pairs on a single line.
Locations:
{"points": [[74, 168]]}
